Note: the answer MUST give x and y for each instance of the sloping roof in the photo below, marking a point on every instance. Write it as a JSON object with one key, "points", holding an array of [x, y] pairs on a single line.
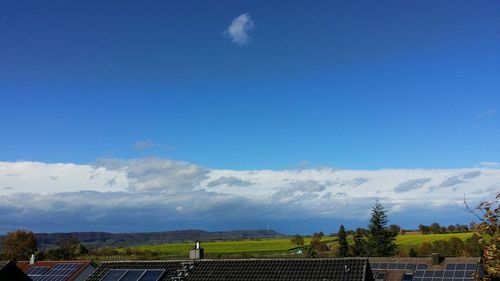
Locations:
{"points": [[3, 264], [78, 268], [170, 268], [422, 269], [9, 271], [352, 269]]}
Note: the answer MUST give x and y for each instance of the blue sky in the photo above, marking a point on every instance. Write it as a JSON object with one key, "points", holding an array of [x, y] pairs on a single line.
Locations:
{"points": [[357, 85]]}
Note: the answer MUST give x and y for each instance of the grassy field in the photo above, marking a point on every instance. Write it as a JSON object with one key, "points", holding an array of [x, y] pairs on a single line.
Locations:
{"points": [[274, 247], [405, 242]]}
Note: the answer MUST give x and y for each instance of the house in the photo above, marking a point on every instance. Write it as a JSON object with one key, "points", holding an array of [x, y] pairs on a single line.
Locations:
{"points": [[349, 269], [435, 268], [9, 271], [57, 270]]}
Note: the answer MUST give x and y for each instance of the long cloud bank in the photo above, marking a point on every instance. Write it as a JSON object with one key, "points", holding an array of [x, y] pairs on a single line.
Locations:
{"points": [[158, 194]]}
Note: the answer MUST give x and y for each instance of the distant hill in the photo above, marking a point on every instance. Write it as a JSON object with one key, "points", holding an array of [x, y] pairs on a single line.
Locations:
{"points": [[102, 239]]}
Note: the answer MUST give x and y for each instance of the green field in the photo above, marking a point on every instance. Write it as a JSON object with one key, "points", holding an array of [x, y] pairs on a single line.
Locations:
{"points": [[273, 247], [405, 242]]}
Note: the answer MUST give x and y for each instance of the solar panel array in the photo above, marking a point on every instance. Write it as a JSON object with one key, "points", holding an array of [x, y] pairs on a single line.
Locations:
{"points": [[37, 270], [452, 272], [396, 266], [419, 272], [59, 272], [133, 275]]}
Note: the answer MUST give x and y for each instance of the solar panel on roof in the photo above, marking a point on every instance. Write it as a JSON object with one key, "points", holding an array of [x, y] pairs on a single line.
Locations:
{"points": [[451, 266], [132, 275], [152, 275], [374, 265], [419, 273], [448, 274], [471, 266], [401, 266], [460, 266], [60, 272], [438, 273], [49, 278], [421, 266], [114, 275], [37, 270], [383, 265], [392, 265], [410, 266]]}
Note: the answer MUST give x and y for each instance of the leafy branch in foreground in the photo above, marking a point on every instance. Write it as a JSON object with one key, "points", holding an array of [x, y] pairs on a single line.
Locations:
{"points": [[488, 213]]}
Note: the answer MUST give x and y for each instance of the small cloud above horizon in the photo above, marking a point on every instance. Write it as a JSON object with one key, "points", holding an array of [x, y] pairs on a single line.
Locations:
{"points": [[239, 29], [150, 144], [144, 144], [487, 113], [489, 164]]}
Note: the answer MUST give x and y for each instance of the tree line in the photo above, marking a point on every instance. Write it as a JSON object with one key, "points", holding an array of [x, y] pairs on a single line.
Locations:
{"points": [[436, 228], [377, 240], [21, 244]]}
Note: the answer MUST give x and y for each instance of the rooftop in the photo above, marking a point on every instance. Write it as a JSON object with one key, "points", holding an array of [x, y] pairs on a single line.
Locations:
{"points": [[54, 270], [422, 269], [351, 269], [9, 271]]}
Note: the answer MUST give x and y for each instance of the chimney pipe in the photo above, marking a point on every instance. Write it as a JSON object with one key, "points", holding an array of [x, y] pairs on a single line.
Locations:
{"points": [[32, 259], [436, 259]]}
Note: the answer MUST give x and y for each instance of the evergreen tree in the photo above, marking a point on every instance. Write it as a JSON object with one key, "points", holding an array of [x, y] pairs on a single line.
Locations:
{"points": [[343, 246], [359, 247], [380, 239]]}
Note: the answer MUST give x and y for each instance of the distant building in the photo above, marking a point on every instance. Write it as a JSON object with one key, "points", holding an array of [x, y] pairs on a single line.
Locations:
{"points": [[57, 270], [9, 271]]}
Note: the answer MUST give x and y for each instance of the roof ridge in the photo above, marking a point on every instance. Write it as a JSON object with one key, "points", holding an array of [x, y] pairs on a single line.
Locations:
{"points": [[249, 259]]}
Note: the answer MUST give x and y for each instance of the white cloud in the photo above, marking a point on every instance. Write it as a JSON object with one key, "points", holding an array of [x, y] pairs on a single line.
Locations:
{"points": [[487, 113], [229, 181], [489, 164], [155, 192], [239, 29], [150, 144], [144, 144], [155, 174]]}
